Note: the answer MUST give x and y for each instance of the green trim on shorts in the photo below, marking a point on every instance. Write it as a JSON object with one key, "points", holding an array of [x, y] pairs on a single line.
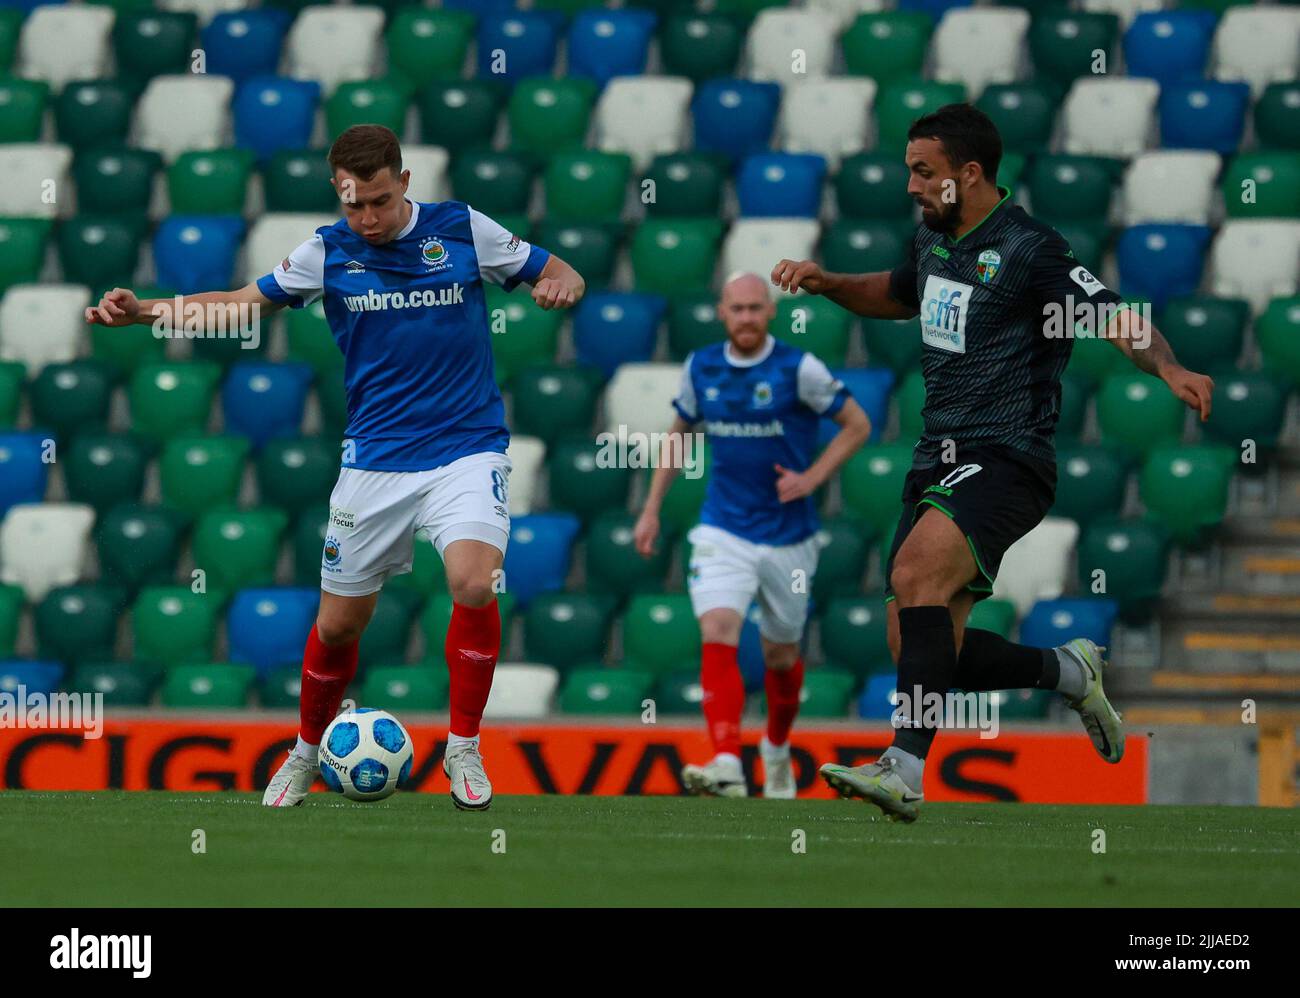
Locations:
{"points": [[971, 543]]}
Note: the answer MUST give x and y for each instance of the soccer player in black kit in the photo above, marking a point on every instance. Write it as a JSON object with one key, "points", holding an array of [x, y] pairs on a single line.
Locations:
{"points": [[999, 297]]}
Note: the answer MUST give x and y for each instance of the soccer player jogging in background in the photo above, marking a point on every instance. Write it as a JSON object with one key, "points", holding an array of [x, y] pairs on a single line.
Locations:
{"points": [[760, 400], [402, 285], [987, 282]]}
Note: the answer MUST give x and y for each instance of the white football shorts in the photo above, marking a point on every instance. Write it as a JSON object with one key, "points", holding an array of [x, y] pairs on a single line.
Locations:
{"points": [[727, 572], [375, 515]]}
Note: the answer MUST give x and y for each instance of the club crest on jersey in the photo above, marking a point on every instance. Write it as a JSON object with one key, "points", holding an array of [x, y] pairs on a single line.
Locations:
{"points": [[711, 394], [333, 554], [762, 394], [988, 265], [434, 254]]}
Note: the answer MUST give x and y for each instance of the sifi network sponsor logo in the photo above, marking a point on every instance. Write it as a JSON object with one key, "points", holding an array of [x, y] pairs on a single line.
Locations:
{"points": [[102, 952]]}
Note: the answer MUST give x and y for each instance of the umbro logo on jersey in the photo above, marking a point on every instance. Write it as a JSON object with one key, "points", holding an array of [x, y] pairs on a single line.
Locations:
{"points": [[353, 267]]}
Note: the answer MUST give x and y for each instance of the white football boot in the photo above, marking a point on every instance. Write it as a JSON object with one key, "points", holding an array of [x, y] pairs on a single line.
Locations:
{"points": [[1103, 723], [778, 773], [720, 777], [291, 782], [470, 789], [877, 783]]}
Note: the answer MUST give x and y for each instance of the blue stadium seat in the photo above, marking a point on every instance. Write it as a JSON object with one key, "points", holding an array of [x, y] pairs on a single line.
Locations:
{"points": [[37, 677], [1160, 262], [1171, 46], [195, 253], [481, 7], [269, 627], [608, 43], [246, 43], [734, 116], [780, 185], [1205, 114], [273, 113], [22, 472], [749, 653], [526, 39], [935, 8], [537, 560], [610, 329], [264, 400], [876, 702], [871, 387], [1053, 622]]}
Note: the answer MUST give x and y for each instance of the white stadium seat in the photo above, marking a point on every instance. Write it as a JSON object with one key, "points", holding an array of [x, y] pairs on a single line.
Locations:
{"points": [[1256, 260], [184, 112], [43, 545], [846, 12], [1258, 44], [428, 166], [41, 324], [527, 454], [643, 116], [979, 46], [333, 45], [639, 397], [756, 244], [36, 181], [1109, 116], [830, 117], [1170, 185], [521, 691], [1038, 565], [204, 10], [781, 33], [66, 42], [1126, 9], [277, 234]]}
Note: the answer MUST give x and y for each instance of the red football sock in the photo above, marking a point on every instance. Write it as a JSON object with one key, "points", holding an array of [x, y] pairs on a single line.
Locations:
{"points": [[783, 686], [326, 672], [473, 644], [724, 696]]}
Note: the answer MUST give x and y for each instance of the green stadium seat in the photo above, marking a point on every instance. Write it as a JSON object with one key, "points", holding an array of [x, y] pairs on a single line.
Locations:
{"points": [[1023, 112], [563, 628], [845, 542], [22, 245], [124, 349], [910, 399], [873, 186], [435, 618], [826, 693], [524, 334], [853, 246], [428, 45], [693, 323], [238, 549], [11, 26], [11, 609], [1248, 405], [552, 401], [679, 693], [78, 623], [1010, 169], [308, 541], [814, 324], [1186, 488], [746, 10], [892, 343], [1094, 360], [681, 508], [613, 565], [591, 248], [1075, 392], [1087, 239], [389, 632], [1205, 332], [120, 683], [1090, 481], [299, 180], [115, 179], [173, 625], [198, 473], [1136, 412], [660, 631], [333, 399], [1070, 187], [1062, 43], [587, 186], [686, 185], [1133, 555], [281, 688], [871, 483], [99, 249], [406, 688], [208, 686], [71, 398], [148, 43], [675, 257], [367, 102], [104, 469], [903, 100], [887, 46], [493, 182], [579, 484], [172, 399], [460, 115], [1277, 116], [22, 109], [548, 115], [91, 113], [1262, 185], [605, 691], [996, 615], [13, 373], [855, 632], [1277, 331], [210, 182], [700, 46], [309, 340], [428, 575], [138, 545], [294, 474]]}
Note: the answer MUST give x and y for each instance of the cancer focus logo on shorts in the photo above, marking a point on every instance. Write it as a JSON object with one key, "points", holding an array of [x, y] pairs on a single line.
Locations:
{"points": [[333, 553]]}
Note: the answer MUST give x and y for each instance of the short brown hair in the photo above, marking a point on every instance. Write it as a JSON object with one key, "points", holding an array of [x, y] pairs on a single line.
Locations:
{"points": [[364, 150]]}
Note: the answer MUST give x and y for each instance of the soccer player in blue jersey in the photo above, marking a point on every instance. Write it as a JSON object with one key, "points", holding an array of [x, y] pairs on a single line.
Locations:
{"points": [[425, 449], [759, 400]]}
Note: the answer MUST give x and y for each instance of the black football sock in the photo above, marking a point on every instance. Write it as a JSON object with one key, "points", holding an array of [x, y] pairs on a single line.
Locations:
{"points": [[989, 661], [927, 663]]}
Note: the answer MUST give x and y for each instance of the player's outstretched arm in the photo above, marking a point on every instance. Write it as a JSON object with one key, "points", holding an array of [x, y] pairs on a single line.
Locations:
{"points": [[646, 531], [855, 428], [120, 307], [558, 285], [861, 294], [1149, 351]]}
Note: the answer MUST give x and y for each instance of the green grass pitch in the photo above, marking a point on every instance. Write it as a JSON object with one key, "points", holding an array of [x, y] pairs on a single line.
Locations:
{"points": [[136, 849]]}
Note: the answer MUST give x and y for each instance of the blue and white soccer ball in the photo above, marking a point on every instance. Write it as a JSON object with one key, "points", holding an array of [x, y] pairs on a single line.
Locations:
{"points": [[365, 754]]}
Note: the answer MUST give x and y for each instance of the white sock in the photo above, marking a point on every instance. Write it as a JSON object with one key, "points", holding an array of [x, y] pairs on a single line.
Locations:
{"points": [[910, 767], [306, 750], [1073, 681], [456, 742], [775, 749]]}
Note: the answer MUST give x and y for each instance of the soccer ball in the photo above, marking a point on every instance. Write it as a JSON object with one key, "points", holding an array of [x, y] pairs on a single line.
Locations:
{"points": [[365, 754]]}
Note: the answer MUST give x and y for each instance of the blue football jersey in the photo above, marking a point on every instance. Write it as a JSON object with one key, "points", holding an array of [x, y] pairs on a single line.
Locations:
{"points": [[411, 319], [758, 412]]}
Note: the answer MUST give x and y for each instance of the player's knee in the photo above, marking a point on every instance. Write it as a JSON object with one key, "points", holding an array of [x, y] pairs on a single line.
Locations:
{"points": [[338, 629], [916, 585], [781, 657], [472, 592], [719, 629]]}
